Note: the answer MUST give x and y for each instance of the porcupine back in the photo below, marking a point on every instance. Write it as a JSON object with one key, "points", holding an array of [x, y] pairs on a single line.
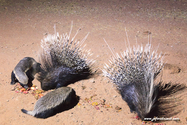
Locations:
{"points": [[64, 61], [134, 74]]}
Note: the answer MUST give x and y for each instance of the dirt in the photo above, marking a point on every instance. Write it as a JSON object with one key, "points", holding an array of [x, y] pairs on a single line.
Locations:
{"points": [[25, 22]]}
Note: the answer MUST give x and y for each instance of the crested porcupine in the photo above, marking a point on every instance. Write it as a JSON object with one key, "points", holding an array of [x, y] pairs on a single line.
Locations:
{"points": [[54, 102], [134, 74], [64, 61], [24, 72]]}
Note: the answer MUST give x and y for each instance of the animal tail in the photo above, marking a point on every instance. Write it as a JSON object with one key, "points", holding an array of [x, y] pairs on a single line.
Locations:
{"points": [[28, 112]]}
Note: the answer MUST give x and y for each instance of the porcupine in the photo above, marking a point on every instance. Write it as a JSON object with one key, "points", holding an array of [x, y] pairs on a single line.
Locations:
{"points": [[25, 71], [54, 102], [64, 61], [134, 74]]}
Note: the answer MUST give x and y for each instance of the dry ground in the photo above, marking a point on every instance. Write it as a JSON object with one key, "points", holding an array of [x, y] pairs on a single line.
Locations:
{"points": [[23, 23]]}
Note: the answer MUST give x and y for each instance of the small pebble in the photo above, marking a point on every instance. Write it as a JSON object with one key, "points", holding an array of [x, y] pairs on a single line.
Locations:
{"points": [[118, 108]]}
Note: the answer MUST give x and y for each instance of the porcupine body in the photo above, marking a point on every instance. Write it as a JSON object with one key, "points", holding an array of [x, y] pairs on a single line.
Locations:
{"points": [[25, 71], [134, 74], [64, 61], [53, 102]]}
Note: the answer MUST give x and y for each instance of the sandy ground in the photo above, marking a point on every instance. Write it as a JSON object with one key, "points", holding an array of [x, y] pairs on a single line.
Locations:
{"points": [[23, 23]]}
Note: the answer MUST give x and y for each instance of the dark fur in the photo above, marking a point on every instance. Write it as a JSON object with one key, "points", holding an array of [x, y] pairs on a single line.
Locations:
{"points": [[60, 76], [134, 74], [62, 65], [64, 98], [25, 69], [164, 105]]}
